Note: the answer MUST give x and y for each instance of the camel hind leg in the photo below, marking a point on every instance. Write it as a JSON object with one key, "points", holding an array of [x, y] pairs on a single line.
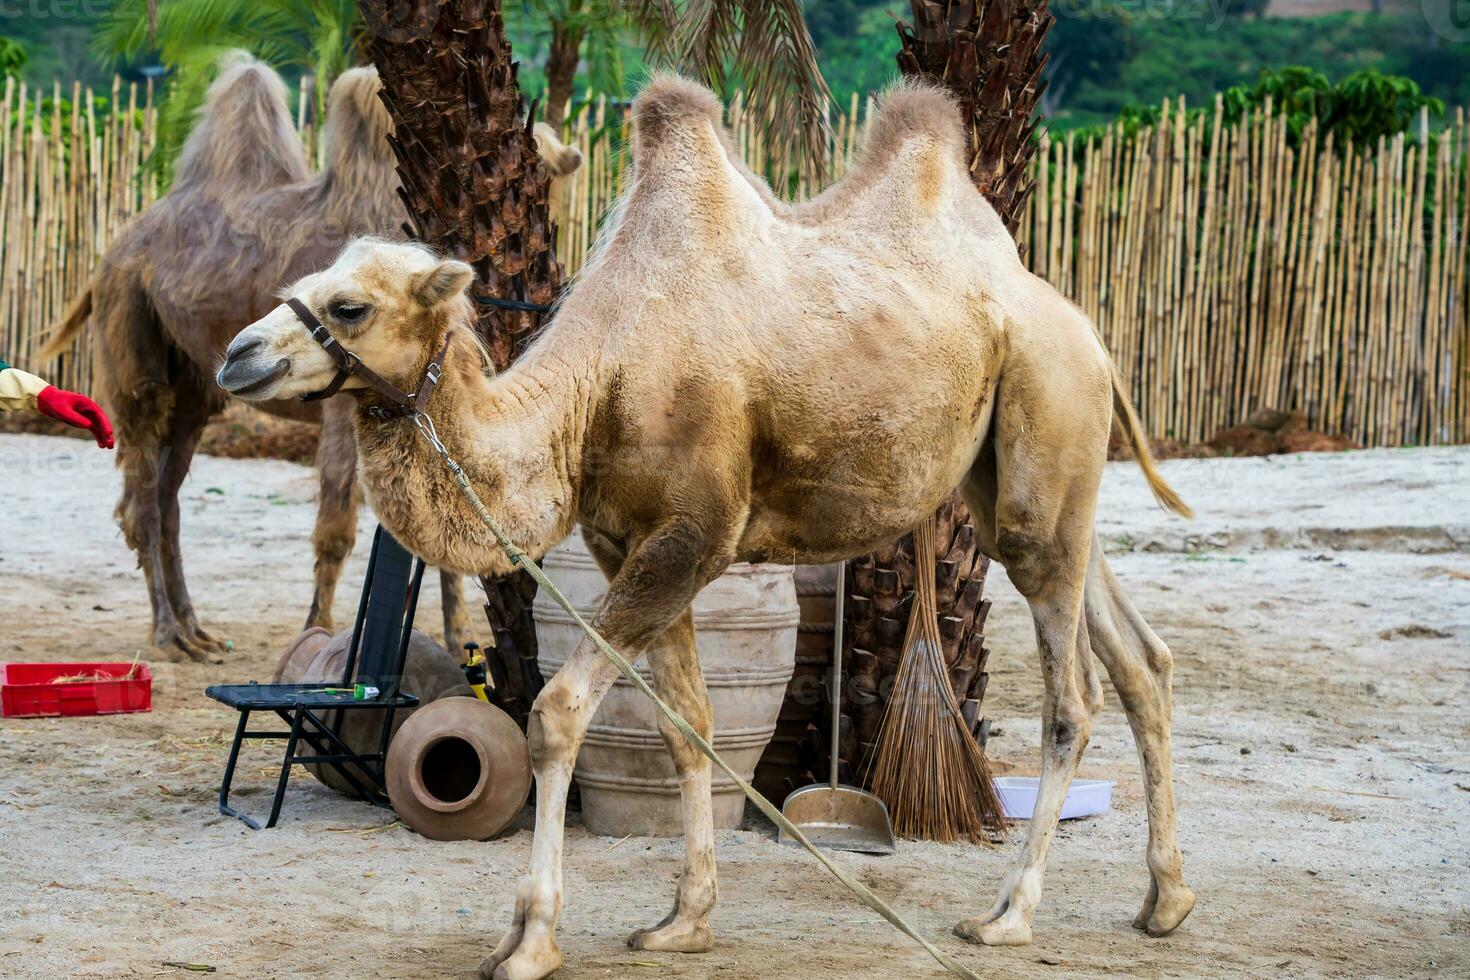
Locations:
{"points": [[135, 381], [337, 499], [1141, 668], [1032, 492]]}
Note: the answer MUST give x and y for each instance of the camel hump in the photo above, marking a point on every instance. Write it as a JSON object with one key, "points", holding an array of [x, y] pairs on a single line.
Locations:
{"points": [[244, 140], [356, 116], [669, 106], [908, 109], [682, 151]]}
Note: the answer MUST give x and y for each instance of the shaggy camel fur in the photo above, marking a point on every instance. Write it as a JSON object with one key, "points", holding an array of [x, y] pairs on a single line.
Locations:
{"points": [[736, 380], [243, 218]]}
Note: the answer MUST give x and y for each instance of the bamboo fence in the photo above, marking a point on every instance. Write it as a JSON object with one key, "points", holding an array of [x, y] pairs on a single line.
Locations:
{"points": [[1228, 267], [71, 174]]}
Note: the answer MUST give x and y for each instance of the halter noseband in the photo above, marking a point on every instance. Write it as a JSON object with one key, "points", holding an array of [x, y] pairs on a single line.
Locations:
{"points": [[404, 405]]}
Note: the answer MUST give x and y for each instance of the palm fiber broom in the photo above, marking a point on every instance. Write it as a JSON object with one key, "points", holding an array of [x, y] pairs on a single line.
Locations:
{"points": [[928, 767]]}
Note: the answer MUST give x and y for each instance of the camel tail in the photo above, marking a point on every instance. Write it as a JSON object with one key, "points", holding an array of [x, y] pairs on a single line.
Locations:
{"points": [[1133, 430], [70, 326]]}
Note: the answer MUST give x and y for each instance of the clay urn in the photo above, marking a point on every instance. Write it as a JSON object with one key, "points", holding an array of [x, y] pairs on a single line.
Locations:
{"points": [[458, 769], [315, 657], [291, 668]]}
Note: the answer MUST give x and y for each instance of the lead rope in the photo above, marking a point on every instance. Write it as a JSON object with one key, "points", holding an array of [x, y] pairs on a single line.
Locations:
{"points": [[518, 557]]}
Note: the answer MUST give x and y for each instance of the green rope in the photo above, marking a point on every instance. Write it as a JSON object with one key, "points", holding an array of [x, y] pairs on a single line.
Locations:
{"points": [[519, 557]]}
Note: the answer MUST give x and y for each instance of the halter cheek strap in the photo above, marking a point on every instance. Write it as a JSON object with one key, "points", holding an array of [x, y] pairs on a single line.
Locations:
{"points": [[404, 404]]}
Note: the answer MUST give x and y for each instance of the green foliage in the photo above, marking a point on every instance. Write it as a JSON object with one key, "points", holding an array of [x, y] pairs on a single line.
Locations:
{"points": [[610, 55], [55, 37], [1192, 53], [1107, 55], [13, 57], [317, 37], [1363, 107], [857, 43]]}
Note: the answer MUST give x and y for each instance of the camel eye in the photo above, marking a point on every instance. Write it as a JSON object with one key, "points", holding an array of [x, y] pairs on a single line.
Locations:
{"points": [[349, 312]]}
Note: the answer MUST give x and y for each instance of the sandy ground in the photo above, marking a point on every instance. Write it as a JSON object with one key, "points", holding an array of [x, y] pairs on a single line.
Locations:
{"points": [[1319, 612]]}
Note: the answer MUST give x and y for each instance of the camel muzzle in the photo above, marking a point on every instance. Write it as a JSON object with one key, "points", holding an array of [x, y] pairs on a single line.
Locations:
{"points": [[245, 375]]}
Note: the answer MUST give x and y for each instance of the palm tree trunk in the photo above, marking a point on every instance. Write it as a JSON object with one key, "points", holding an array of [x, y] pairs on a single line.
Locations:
{"points": [[988, 54], [474, 188], [561, 70]]}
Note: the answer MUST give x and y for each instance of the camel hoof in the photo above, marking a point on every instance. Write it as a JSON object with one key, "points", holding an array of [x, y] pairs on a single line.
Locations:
{"points": [[179, 649], [525, 963], [676, 937], [1169, 912], [998, 932], [1140, 921]]}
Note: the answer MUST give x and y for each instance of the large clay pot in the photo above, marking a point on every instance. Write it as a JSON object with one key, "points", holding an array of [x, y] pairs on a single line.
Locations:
{"points": [[428, 672], [291, 668], [745, 624], [459, 769]]}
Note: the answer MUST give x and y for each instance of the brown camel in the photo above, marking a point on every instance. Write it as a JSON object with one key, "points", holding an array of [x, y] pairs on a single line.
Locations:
{"points": [[733, 379], [244, 217]]}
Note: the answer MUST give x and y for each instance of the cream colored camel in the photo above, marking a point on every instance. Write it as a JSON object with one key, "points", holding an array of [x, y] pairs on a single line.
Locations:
{"points": [[736, 380]]}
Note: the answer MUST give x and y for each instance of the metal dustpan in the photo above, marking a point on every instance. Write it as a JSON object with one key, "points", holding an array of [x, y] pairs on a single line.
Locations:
{"points": [[843, 818]]}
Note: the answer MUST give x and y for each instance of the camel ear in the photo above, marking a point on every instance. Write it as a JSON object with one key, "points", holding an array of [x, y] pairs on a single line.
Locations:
{"points": [[447, 279]]}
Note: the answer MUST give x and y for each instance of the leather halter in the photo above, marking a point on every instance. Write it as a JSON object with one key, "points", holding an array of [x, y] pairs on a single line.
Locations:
{"points": [[404, 404]]}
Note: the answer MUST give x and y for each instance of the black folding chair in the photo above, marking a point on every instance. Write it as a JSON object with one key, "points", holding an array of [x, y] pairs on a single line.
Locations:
{"points": [[375, 658]]}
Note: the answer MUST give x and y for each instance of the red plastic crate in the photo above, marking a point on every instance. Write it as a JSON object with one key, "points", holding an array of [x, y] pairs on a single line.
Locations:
{"points": [[28, 691]]}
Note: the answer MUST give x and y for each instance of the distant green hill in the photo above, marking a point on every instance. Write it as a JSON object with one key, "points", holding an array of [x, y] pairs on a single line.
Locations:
{"points": [[1106, 59], [56, 39], [1103, 58]]}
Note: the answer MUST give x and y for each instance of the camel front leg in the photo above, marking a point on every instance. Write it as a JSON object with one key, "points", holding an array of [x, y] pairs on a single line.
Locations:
{"points": [[1142, 669], [657, 582]]}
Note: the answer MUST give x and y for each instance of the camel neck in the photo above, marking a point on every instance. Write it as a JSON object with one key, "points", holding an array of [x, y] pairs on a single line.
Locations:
{"points": [[518, 437]]}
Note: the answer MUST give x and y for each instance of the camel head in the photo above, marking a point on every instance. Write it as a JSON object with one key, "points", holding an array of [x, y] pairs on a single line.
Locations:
{"points": [[389, 303]]}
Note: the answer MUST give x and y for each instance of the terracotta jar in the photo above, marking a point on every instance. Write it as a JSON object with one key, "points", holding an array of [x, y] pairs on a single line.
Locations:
{"points": [[459, 769], [429, 672], [291, 668], [745, 624]]}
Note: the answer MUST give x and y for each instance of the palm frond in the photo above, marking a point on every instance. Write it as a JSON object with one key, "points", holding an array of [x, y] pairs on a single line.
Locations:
{"points": [[320, 37], [765, 45], [656, 22]]}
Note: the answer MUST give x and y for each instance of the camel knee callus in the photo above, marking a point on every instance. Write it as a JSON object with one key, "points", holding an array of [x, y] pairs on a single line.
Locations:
{"points": [[733, 378]]}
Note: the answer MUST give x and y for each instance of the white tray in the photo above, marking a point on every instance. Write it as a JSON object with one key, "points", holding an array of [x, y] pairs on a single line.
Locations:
{"points": [[1086, 798]]}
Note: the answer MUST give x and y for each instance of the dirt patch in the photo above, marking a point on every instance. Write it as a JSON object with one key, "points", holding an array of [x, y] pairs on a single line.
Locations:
{"points": [[1335, 846], [1267, 432], [1414, 632]]}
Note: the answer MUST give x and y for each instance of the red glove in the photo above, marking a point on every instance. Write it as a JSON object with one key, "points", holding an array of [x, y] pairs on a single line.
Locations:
{"points": [[76, 410]]}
